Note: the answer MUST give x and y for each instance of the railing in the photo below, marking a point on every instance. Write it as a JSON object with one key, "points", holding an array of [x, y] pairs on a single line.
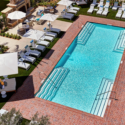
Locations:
{"points": [[107, 92]]}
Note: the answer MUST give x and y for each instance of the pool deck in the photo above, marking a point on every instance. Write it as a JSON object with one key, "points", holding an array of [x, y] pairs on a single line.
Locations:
{"points": [[25, 101]]}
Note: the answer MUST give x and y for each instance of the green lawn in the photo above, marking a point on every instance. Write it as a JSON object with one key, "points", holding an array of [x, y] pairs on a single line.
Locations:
{"points": [[84, 9], [3, 4]]}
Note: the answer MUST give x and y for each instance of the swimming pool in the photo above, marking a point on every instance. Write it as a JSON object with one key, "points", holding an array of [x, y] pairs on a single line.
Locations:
{"points": [[87, 69]]}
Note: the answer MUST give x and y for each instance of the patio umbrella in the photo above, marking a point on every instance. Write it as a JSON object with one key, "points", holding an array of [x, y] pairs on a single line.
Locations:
{"points": [[34, 34], [16, 15], [49, 17], [8, 64], [65, 3]]}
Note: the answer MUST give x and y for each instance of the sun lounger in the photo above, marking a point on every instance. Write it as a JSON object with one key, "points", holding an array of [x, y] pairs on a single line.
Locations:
{"points": [[38, 47], [26, 58], [115, 7], [71, 11], [47, 33], [94, 2], [81, 2], [123, 15], [67, 15], [123, 6], [55, 30], [42, 42], [74, 8], [23, 65], [49, 38], [105, 12], [91, 9], [119, 13], [11, 85], [99, 12], [32, 52], [107, 4], [101, 3]]}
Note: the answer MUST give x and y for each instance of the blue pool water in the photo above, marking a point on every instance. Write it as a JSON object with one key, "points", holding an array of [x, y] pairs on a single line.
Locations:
{"points": [[87, 63]]}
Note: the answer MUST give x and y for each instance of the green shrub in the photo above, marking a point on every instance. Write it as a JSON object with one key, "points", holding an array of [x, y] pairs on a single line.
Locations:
{"points": [[7, 34], [2, 31], [3, 34]]}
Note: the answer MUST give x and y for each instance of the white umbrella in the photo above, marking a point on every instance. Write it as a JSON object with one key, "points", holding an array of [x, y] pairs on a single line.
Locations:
{"points": [[16, 15], [34, 34], [8, 64], [65, 2], [49, 17]]}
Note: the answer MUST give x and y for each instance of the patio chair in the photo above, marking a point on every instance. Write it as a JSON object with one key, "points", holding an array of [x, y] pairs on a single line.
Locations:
{"points": [[119, 13], [52, 11], [101, 3], [99, 12], [32, 52], [40, 22], [105, 12], [23, 65], [123, 15], [71, 11], [31, 24], [115, 7], [123, 6], [26, 58], [54, 29], [21, 30], [81, 2], [94, 2], [49, 38], [67, 15], [38, 47], [107, 4], [49, 33], [43, 42], [74, 8], [91, 9]]}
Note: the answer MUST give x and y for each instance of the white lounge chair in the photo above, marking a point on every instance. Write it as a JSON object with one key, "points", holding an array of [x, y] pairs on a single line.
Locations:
{"points": [[42, 42], [32, 52], [107, 4], [123, 6], [115, 7], [23, 65], [49, 38], [99, 12], [105, 12], [67, 15], [38, 47], [101, 3], [71, 11], [81, 2], [55, 30], [91, 8], [47, 33], [26, 58], [123, 15], [74, 8], [94, 2], [119, 13]]}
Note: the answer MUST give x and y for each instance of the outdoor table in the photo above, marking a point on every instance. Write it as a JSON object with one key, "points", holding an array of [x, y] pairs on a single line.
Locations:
{"points": [[3, 93], [25, 26]]}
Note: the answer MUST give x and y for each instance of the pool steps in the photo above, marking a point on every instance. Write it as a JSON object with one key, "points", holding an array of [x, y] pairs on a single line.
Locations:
{"points": [[52, 83], [120, 44], [102, 97], [85, 33]]}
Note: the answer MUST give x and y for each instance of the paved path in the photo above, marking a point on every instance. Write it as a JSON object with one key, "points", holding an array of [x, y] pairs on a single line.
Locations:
{"points": [[25, 101]]}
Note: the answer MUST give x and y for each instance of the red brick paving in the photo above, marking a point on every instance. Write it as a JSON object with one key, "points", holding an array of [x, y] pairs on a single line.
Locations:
{"points": [[25, 101]]}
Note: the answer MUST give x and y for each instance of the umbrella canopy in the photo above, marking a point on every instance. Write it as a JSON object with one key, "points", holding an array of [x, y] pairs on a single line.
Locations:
{"points": [[16, 15], [49, 17], [34, 34], [65, 2], [8, 64]]}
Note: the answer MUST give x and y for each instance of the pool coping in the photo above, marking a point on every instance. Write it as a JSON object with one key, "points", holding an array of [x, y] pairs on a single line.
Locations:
{"points": [[59, 48]]}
